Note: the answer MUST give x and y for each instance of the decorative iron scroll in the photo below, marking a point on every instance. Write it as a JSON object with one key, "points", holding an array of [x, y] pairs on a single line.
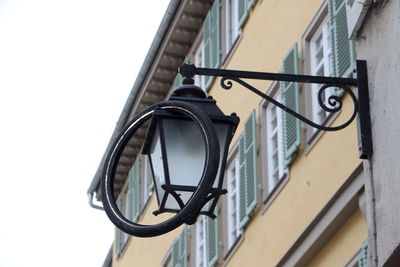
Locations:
{"points": [[335, 102]]}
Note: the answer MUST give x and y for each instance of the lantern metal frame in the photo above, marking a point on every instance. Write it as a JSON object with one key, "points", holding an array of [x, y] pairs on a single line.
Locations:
{"points": [[196, 96]]}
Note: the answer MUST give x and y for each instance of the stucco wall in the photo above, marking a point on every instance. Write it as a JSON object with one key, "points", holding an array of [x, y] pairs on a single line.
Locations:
{"points": [[379, 44], [344, 245]]}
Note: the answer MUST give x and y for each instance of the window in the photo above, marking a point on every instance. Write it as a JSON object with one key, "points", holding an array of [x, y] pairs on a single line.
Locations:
{"points": [[275, 164], [199, 80], [230, 24], [121, 238], [320, 65], [201, 253], [273, 143], [147, 182], [177, 255], [205, 242], [233, 221], [327, 52]]}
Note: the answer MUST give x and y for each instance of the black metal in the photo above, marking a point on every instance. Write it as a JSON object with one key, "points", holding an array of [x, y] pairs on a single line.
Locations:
{"points": [[364, 121], [189, 213], [195, 96], [335, 102]]}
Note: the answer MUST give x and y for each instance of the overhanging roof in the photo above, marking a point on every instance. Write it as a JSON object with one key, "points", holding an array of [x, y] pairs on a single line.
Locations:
{"points": [[175, 36]]}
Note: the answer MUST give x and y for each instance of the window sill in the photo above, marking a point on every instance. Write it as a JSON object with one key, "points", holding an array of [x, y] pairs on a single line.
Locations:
{"points": [[124, 248], [269, 199], [229, 254], [227, 57], [315, 136]]}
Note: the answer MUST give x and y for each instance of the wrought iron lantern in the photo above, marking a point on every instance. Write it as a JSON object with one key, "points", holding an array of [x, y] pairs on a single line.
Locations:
{"points": [[187, 142]]}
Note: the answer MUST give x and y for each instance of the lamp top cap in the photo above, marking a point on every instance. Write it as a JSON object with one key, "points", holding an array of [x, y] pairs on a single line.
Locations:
{"points": [[189, 90]]}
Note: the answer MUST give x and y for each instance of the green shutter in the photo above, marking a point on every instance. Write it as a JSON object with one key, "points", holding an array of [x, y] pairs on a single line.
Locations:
{"points": [[363, 255], [175, 252], [242, 183], [149, 178], [290, 98], [212, 39], [250, 3], [180, 249], [242, 12], [118, 233], [248, 170], [342, 47], [212, 240], [134, 191]]}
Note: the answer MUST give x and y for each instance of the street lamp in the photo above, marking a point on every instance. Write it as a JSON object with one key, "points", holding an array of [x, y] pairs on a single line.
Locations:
{"points": [[188, 140], [187, 144]]}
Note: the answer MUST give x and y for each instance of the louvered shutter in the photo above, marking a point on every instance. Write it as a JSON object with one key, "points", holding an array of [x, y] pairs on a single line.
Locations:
{"points": [[175, 252], [212, 39], [134, 191], [211, 241], [290, 98], [342, 46], [242, 12], [248, 170], [118, 233], [179, 249], [363, 255], [242, 183], [250, 3]]}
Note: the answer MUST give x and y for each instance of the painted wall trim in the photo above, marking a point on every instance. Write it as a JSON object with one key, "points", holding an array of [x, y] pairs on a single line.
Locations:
{"points": [[339, 208]]}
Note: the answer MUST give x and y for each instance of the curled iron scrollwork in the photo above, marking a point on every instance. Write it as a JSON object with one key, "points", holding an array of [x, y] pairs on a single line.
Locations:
{"points": [[333, 103]]}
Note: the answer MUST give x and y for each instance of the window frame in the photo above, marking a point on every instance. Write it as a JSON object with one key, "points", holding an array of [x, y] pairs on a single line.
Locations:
{"points": [[312, 135], [269, 193], [147, 189], [198, 60], [233, 231], [123, 238], [230, 25], [201, 242], [326, 64]]}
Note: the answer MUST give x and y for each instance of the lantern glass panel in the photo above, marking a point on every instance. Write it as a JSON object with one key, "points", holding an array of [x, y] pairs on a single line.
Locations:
{"points": [[157, 166], [185, 153]]}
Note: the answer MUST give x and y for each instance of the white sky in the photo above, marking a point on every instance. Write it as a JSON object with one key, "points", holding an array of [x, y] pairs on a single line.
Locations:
{"points": [[66, 69]]}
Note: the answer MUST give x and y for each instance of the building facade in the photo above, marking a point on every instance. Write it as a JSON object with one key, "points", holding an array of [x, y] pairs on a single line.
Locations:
{"points": [[297, 196]]}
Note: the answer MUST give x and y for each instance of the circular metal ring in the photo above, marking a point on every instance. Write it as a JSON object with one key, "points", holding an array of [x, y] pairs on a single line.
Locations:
{"points": [[197, 200]]}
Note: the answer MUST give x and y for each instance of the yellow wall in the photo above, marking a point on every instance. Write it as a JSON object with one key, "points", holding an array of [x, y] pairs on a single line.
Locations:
{"points": [[147, 251], [273, 28], [344, 245]]}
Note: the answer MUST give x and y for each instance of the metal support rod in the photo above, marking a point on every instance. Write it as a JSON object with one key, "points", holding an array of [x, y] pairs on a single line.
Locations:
{"points": [[364, 117], [189, 70], [331, 104]]}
